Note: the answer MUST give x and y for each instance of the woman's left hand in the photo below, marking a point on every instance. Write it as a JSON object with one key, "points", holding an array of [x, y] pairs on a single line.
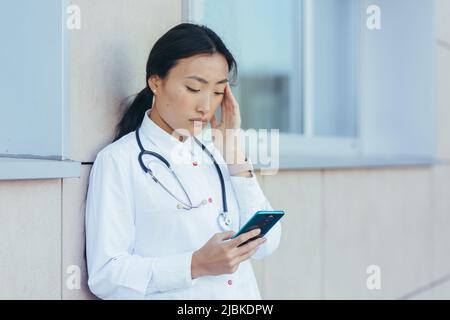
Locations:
{"points": [[226, 134], [230, 113]]}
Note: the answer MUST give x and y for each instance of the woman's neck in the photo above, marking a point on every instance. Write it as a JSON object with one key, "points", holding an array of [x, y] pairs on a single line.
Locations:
{"points": [[155, 116]]}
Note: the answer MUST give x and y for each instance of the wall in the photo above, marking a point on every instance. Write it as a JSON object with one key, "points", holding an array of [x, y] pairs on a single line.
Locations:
{"points": [[341, 221], [338, 221], [107, 63]]}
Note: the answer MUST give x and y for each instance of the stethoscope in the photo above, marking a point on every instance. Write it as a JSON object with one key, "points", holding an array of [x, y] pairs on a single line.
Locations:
{"points": [[224, 219]]}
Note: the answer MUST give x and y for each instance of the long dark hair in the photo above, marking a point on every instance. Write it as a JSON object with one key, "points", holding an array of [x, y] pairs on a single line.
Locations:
{"points": [[182, 41]]}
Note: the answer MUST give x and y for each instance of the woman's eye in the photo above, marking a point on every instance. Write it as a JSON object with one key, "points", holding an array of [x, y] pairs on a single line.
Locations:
{"points": [[190, 89], [193, 90]]}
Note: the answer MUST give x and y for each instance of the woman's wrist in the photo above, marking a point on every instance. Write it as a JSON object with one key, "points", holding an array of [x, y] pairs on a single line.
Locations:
{"points": [[246, 174], [196, 270], [234, 156], [241, 170], [241, 167]]}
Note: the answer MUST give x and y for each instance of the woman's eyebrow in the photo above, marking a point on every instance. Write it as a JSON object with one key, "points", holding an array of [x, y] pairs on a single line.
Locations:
{"points": [[205, 81]]}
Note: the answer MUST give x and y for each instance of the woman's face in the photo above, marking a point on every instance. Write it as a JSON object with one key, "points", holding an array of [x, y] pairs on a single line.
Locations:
{"points": [[193, 89]]}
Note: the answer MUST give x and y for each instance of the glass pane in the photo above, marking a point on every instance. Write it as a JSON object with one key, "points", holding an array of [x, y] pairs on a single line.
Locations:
{"points": [[270, 46], [335, 61], [260, 34], [31, 78]]}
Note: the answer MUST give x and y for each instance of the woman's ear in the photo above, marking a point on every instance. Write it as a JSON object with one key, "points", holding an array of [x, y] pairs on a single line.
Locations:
{"points": [[154, 83]]}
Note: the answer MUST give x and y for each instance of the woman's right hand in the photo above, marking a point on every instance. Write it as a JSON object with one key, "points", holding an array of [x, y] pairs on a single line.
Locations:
{"points": [[223, 257]]}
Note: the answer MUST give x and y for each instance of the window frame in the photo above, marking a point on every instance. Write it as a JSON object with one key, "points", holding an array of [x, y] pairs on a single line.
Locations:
{"points": [[31, 166], [304, 150]]}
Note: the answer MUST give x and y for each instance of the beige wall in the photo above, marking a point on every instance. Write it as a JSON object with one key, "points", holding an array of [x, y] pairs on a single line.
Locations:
{"points": [[42, 230], [109, 56], [341, 221], [338, 221]]}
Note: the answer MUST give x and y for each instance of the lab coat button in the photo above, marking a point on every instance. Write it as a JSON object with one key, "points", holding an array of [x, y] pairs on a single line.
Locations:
{"points": [[195, 163], [230, 282], [210, 199]]}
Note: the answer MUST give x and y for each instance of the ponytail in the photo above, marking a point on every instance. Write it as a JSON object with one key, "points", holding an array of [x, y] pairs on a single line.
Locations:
{"points": [[134, 114]]}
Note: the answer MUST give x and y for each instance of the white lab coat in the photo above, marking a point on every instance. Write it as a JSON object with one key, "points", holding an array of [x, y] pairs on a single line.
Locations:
{"points": [[139, 245]]}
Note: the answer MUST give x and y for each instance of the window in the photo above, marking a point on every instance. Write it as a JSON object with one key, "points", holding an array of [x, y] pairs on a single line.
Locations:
{"points": [[33, 121], [341, 94]]}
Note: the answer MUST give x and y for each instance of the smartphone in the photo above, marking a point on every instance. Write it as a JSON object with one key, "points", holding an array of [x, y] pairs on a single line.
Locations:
{"points": [[263, 220]]}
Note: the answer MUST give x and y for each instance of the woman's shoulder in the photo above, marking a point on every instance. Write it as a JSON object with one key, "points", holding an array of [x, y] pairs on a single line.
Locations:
{"points": [[120, 149]]}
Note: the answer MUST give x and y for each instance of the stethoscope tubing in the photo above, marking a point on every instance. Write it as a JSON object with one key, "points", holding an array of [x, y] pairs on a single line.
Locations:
{"points": [[162, 159]]}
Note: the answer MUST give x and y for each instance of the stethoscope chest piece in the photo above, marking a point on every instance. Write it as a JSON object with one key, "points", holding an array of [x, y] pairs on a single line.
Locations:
{"points": [[224, 221]]}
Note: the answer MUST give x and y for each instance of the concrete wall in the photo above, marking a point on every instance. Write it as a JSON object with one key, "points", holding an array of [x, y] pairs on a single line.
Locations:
{"points": [[338, 221], [341, 221], [109, 55], [42, 231]]}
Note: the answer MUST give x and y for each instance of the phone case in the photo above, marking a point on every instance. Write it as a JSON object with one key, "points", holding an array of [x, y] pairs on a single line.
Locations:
{"points": [[263, 220]]}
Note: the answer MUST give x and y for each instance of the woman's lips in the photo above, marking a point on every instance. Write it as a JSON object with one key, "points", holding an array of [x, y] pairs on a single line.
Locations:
{"points": [[200, 120]]}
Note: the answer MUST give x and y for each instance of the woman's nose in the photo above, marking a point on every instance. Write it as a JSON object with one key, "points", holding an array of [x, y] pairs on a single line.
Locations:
{"points": [[204, 105], [204, 108]]}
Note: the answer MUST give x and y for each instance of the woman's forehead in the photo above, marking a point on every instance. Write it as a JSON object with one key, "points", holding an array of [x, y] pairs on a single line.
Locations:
{"points": [[209, 67]]}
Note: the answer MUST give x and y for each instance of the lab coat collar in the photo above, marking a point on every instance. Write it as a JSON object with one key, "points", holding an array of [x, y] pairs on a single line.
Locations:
{"points": [[168, 144]]}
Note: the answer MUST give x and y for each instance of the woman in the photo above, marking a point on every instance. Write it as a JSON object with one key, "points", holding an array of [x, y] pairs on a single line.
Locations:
{"points": [[164, 237]]}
